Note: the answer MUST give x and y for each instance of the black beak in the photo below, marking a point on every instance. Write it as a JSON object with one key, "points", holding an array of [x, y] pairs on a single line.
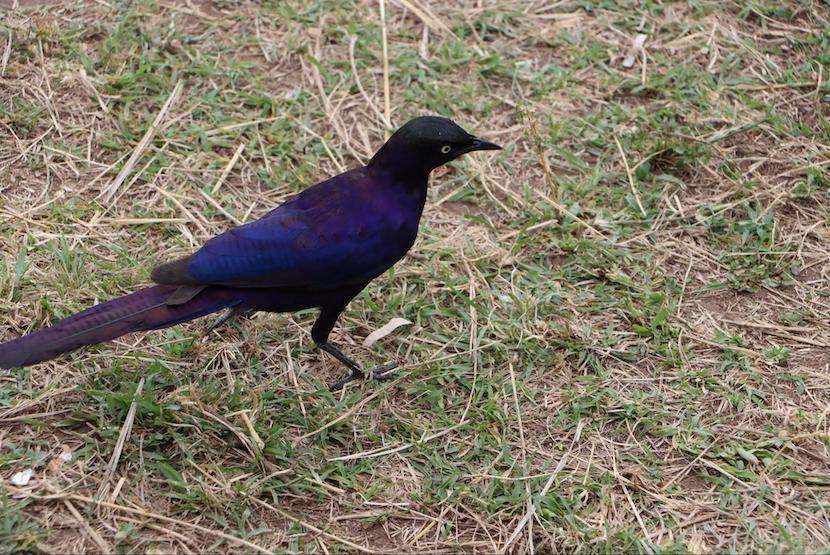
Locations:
{"points": [[481, 144]]}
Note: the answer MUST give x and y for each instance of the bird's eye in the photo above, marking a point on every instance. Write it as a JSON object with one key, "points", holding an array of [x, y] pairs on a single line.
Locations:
{"points": [[445, 149]]}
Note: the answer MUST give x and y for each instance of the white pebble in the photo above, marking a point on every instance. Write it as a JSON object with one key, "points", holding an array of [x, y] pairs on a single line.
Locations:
{"points": [[22, 478]]}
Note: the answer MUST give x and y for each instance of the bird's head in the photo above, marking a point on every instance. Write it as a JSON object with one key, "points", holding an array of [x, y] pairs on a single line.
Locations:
{"points": [[426, 142]]}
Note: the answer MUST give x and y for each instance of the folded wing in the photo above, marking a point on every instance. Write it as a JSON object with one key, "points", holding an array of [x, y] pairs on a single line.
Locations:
{"points": [[322, 238]]}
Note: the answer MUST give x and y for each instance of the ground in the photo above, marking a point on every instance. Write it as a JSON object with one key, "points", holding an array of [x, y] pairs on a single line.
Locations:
{"points": [[620, 335]]}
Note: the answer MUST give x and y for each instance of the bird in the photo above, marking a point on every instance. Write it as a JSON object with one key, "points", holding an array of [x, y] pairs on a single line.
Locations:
{"points": [[317, 250]]}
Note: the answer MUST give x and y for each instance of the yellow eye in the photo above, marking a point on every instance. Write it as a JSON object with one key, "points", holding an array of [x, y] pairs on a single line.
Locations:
{"points": [[445, 149]]}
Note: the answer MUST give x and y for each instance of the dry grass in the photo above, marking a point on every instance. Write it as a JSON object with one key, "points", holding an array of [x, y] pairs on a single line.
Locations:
{"points": [[620, 337]]}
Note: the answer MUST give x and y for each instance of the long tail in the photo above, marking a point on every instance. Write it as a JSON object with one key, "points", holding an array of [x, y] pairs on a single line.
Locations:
{"points": [[143, 310]]}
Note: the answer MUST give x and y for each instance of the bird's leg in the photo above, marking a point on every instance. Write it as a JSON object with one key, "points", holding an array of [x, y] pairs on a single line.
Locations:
{"points": [[320, 334], [229, 314], [382, 372], [357, 372]]}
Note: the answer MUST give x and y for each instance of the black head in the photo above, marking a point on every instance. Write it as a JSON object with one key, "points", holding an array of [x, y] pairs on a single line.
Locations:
{"points": [[426, 142]]}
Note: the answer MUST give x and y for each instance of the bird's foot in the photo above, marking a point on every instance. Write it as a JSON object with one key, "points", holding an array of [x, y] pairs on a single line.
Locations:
{"points": [[382, 372], [337, 386]]}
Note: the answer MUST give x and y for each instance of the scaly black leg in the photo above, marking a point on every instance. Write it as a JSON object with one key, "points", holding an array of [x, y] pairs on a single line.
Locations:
{"points": [[320, 334], [229, 314], [382, 372], [357, 372]]}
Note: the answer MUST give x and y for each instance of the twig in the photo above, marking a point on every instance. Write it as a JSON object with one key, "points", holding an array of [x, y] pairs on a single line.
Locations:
{"points": [[331, 154], [523, 444], [630, 176], [156, 516], [363, 92], [391, 451], [26, 404], [184, 210], [260, 41], [471, 294], [91, 86], [105, 548], [547, 223], [218, 206], [766, 326], [234, 126], [311, 527], [634, 509], [144, 523], [126, 428], [532, 508], [331, 111], [425, 15], [386, 102], [104, 172], [111, 189], [6, 53], [228, 168], [251, 430], [294, 379], [117, 489], [346, 414], [29, 147], [543, 159]]}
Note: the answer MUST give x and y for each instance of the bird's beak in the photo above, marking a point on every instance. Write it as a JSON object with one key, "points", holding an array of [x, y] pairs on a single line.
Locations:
{"points": [[481, 144]]}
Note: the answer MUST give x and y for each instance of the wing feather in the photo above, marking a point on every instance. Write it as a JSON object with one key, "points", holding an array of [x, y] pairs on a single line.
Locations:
{"points": [[329, 235]]}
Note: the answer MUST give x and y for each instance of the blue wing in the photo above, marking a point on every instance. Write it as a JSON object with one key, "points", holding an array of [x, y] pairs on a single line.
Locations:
{"points": [[338, 232]]}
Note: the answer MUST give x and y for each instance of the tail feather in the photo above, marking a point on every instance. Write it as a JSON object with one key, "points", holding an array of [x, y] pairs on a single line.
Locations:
{"points": [[146, 309]]}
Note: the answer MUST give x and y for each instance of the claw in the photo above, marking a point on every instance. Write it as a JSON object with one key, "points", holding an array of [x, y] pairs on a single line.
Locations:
{"points": [[337, 386], [382, 372]]}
